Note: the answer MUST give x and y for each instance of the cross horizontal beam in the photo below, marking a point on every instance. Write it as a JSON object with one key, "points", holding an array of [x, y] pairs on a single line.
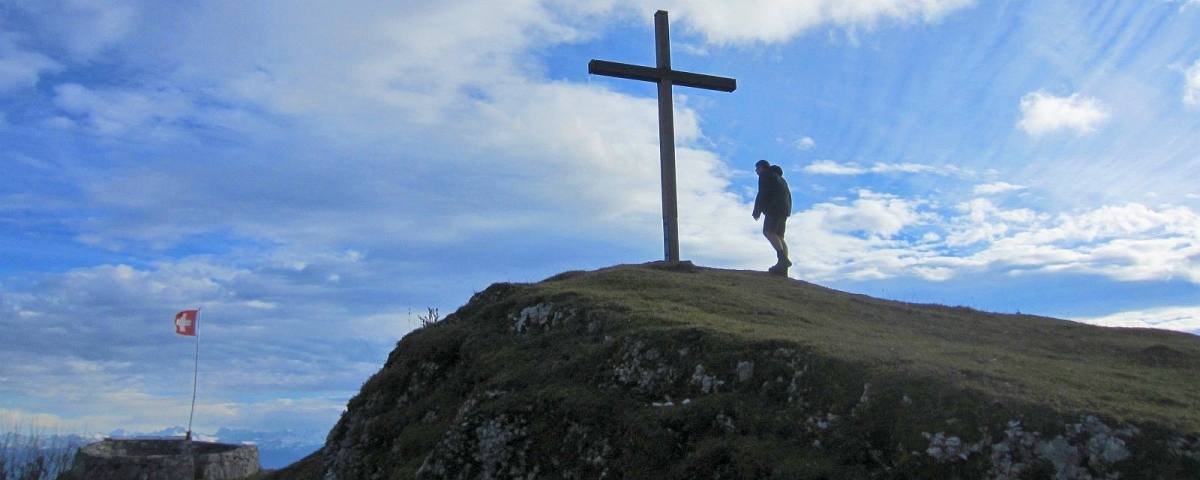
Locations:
{"points": [[650, 74]]}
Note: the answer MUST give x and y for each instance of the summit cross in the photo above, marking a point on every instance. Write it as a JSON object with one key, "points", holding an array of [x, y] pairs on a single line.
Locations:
{"points": [[665, 77]]}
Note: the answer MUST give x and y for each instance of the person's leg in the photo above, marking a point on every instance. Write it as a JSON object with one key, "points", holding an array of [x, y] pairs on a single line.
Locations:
{"points": [[781, 264], [783, 252], [771, 237], [776, 243], [782, 249], [773, 229]]}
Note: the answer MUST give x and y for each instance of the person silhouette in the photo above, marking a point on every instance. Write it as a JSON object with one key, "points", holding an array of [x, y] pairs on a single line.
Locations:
{"points": [[774, 202]]}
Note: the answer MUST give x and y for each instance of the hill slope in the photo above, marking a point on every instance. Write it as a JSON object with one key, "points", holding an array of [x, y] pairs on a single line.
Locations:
{"points": [[675, 371]]}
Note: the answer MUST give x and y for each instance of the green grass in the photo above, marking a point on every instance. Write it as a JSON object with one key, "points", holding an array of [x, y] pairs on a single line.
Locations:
{"points": [[632, 336], [1133, 375]]}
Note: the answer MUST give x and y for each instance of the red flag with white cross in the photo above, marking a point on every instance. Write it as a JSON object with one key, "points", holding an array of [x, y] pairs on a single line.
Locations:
{"points": [[185, 322]]}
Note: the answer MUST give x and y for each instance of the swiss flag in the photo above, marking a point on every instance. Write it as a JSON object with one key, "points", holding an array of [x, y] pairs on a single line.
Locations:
{"points": [[185, 322]]}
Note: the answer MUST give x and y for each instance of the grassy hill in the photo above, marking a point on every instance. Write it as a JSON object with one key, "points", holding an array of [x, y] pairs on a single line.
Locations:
{"points": [[676, 371]]}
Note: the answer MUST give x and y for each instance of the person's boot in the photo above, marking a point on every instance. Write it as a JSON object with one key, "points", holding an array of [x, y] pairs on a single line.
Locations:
{"points": [[781, 267]]}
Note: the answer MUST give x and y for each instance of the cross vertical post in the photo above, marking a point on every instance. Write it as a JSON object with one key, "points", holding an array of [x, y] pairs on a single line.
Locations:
{"points": [[666, 138], [666, 78]]}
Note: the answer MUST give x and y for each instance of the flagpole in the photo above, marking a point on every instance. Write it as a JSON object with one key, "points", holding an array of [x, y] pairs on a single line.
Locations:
{"points": [[195, 374]]}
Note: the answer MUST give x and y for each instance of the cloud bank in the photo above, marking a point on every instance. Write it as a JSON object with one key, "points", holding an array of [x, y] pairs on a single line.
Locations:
{"points": [[1178, 319], [830, 167], [774, 21], [879, 236]]}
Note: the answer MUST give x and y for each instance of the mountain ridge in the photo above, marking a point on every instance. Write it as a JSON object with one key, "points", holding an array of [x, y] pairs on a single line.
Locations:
{"points": [[669, 370]]}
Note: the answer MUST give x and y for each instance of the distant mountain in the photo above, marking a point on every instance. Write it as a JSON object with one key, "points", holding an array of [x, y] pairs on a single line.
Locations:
{"points": [[276, 449], [671, 371], [164, 433]]}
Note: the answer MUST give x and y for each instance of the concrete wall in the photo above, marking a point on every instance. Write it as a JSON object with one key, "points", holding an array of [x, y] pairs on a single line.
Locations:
{"points": [[164, 460]]}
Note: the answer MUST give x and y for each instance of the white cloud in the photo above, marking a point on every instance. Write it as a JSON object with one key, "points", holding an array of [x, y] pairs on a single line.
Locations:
{"points": [[1127, 243], [830, 167], [367, 130], [857, 240], [1191, 83], [996, 187], [381, 74], [291, 59], [97, 343], [806, 143], [19, 68], [873, 214], [982, 222], [118, 112], [1043, 113], [908, 168], [84, 28], [881, 236], [773, 21], [1180, 319]]}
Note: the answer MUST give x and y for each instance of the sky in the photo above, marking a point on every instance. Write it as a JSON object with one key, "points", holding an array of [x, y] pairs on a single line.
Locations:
{"points": [[314, 176]]}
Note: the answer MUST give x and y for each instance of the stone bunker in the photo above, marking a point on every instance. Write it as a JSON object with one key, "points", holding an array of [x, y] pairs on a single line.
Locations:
{"points": [[164, 459]]}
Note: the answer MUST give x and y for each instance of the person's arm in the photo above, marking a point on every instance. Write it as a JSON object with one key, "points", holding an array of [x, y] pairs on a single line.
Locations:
{"points": [[785, 195], [760, 199]]}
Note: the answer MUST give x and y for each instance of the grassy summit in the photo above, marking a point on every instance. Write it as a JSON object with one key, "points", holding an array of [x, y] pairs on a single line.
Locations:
{"points": [[1131, 375], [676, 371]]}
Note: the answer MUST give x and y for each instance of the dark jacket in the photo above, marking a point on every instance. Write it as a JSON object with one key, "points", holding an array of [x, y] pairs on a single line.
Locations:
{"points": [[774, 197]]}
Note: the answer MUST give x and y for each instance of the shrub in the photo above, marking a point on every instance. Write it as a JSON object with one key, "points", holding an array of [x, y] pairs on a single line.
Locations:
{"points": [[35, 454]]}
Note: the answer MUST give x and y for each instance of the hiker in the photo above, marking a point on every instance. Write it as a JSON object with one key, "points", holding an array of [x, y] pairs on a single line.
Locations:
{"points": [[774, 200]]}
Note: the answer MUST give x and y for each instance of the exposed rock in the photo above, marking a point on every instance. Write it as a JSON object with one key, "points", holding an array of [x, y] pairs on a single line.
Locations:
{"points": [[745, 371], [592, 381]]}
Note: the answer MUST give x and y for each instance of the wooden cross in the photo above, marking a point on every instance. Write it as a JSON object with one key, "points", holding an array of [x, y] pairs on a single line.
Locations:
{"points": [[665, 77]]}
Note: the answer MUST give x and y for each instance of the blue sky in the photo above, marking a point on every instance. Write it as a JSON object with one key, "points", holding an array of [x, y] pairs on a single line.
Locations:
{"points": [[315, 175]]}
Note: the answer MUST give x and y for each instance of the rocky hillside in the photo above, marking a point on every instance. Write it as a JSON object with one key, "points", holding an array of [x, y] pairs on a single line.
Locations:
{"points": [[664, 371]]}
